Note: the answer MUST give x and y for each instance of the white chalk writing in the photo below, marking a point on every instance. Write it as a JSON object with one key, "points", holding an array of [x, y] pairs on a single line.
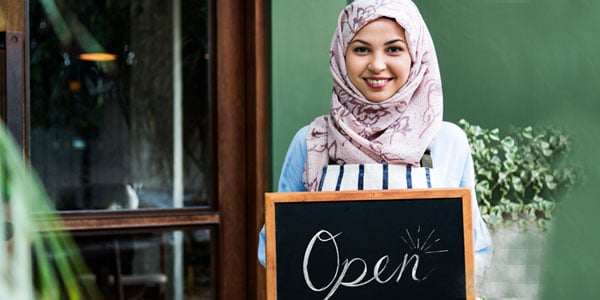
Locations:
{"points": [[324, 238]]}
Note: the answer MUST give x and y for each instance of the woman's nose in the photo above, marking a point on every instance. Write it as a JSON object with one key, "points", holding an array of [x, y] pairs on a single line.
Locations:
{"points": [[377, 64]]}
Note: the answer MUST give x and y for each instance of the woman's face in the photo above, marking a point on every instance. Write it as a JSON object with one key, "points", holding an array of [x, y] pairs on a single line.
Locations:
{"points": [[377, 59]]}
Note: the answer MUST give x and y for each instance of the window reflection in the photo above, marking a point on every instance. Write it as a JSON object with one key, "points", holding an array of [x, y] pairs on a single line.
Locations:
{"points": [[103, 88], [146, 265]]}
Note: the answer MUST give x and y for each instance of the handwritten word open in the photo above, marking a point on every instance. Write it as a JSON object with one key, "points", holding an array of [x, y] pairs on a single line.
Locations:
{"points": [[338, 277]]}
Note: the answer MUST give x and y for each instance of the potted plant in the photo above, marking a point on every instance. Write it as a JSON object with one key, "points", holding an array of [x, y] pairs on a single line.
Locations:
{"points": [[520, 178]]}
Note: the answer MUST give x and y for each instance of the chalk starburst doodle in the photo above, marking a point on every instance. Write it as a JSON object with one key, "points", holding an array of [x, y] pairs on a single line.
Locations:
{"points": [[415, 241]]}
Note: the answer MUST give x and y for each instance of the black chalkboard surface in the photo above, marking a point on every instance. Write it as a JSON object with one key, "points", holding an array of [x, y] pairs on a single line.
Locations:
{"points": [[403, 244]]}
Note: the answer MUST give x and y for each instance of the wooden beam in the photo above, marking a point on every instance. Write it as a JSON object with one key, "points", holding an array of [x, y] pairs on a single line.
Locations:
{"points": [[14, 105], [127, 220], [256, 116], [231, 97], [12, 15]]}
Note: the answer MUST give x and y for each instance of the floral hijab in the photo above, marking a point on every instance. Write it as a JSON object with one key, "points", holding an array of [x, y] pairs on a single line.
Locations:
{"points": [[395, 131]]}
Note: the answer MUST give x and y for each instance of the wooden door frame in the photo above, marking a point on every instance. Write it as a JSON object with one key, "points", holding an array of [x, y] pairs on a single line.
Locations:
{"points": [[14, 88], [241, 146], [239, 134]]}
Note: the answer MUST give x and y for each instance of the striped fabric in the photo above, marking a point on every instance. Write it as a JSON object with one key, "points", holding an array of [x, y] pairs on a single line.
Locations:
{"points": [[376, 177]]}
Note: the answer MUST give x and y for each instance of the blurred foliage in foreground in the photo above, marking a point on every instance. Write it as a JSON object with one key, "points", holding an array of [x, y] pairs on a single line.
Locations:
{"points": [[33, 264]]}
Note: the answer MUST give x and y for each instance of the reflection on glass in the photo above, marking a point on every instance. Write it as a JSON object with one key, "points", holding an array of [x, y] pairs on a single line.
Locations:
{"points": [[105, 78], [142, 265]]}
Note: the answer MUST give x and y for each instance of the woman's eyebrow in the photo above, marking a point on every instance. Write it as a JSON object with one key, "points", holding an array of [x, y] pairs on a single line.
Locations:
{"points": [[386, 43], [359, 41], [394, 41]]}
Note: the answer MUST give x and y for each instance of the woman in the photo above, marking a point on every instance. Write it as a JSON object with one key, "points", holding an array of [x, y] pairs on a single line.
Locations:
{"points": [[386, 108]]}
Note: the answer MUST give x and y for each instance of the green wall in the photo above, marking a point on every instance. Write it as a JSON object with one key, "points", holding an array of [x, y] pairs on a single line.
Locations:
{"points": [[503, 63], [301, 83], [510, 62]]}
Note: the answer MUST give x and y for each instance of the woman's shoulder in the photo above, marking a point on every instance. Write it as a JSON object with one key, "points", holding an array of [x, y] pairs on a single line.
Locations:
{"points": [[297, 148], [451, 155], [301, 133], [450, 133], [451, 129], [450, 143], [290, 179], [298, 142]]}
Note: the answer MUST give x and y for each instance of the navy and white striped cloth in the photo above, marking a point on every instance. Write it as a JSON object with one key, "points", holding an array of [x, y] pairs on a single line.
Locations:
{"points": [[376, 177]]}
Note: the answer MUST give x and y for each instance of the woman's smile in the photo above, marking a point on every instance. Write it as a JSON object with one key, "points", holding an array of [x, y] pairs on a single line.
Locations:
{"points": [[377, 83]]}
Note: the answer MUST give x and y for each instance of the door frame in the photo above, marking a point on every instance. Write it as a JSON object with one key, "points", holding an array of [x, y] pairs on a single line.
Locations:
{"points": [[238, 134]]}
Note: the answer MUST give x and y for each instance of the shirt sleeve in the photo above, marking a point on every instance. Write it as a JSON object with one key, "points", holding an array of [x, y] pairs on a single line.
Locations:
{"points": [[482, 238], [451, 155], [290, 179]]}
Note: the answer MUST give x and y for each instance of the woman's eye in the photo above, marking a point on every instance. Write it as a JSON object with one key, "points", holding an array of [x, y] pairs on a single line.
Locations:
{"points": [[361, 50], [395, 49]]}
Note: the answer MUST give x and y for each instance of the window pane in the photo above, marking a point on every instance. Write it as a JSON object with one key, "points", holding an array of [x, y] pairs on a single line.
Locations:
{"points": [[152, 265], [120, 102]]}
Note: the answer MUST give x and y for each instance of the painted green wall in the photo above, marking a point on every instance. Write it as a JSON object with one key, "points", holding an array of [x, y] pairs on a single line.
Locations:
{"points": [[301, 83], [503, 63]]}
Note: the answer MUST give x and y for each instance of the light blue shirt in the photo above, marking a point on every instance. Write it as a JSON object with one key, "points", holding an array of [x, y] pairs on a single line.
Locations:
{"points": [[451, 157]]}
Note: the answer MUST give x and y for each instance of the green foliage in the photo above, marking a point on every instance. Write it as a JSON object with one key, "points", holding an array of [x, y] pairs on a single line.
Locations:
{"points": [[519, 177], [27, 256]]}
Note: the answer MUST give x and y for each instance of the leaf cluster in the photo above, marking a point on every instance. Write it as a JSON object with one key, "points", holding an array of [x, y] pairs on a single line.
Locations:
{"points": [[520, 177]]}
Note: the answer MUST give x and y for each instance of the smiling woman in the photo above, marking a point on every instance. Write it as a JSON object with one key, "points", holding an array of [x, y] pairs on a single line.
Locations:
{"points": [[378, 60], [386, 109]]}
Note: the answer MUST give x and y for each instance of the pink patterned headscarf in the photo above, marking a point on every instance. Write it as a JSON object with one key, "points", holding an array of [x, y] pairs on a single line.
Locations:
{"points": [[395, 131]]}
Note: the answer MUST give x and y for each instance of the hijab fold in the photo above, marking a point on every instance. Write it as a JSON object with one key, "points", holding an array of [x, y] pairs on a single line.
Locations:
{"points": [[395, 131]]}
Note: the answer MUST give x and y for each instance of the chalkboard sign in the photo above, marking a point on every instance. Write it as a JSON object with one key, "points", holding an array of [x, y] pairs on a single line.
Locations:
{"points": [[402, 244]]}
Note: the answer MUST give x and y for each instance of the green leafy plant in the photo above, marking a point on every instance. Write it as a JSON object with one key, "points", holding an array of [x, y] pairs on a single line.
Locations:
{"points": [[519, 177], [33, 264]]}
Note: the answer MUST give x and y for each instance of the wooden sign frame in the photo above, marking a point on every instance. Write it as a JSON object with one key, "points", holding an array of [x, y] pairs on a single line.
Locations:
{"points": [[273, 199]]}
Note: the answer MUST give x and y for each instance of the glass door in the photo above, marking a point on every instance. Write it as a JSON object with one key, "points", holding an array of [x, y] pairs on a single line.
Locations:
{"points": [[145, 121], [120, 120], [120, 103]]}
